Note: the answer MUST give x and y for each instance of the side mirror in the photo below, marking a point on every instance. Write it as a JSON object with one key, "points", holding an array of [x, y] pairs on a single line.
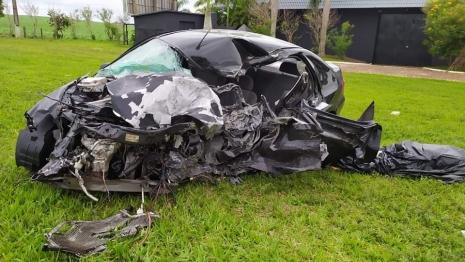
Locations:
{"points": [[102, 66]]}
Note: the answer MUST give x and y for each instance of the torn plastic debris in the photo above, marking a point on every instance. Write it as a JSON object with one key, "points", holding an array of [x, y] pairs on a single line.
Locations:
{"points": [[413, 159], [89, 237]]}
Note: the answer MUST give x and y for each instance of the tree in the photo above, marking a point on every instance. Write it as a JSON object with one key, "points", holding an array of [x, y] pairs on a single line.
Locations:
{"points": [[207, 23], [340, 40], [445, 30], [110, 29], [200, 6], [324, 27], [205, 7], [313, 19], [7, 13], [74, 19], [86, 13], [1, 8], [120, 21], [260, 17], [104, 15], [59, 21], [274, 16], [32, 11], [238, 13], [229, 12], [180, 4], [289, 24]]}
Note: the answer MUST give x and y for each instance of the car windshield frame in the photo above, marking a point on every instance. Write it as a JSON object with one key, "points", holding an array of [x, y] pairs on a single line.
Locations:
{"points": [[153, 56]]}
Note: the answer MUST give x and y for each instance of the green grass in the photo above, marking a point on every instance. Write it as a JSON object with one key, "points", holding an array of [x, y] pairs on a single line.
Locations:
{"points": [[42, 22], [447, 68], [332, 59], [323, 216]]}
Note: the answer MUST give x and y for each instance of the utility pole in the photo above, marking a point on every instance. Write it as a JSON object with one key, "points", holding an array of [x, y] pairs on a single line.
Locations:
{"points": [[16, 19], [324, 27], [274, 16]]}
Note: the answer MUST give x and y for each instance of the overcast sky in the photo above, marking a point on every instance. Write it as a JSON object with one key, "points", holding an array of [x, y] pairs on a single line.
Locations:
{"points": [[67, 6]]}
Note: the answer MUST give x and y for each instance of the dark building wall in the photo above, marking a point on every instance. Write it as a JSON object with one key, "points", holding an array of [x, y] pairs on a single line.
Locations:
{"points": [[303, 36], [371, 42], [400, 40], [366, 23], [148, 25], [366, 26]]}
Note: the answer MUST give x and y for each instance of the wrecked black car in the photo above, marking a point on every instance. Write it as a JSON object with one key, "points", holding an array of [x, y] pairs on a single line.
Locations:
{"points": [[192, 105]]}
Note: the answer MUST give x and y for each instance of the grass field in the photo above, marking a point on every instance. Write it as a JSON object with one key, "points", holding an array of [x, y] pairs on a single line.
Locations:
{"points": [[322, 216], [42, 22], [332, 58], [447, 68]]}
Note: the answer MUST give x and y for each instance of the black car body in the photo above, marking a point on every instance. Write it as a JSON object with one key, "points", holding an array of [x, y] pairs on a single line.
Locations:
{"points": [[269, 79], [188, 105], [216, 55]]}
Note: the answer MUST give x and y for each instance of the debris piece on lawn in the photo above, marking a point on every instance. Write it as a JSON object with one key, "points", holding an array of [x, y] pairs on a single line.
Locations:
{"points": [[413, 159], [395, 113], [89, 237]]}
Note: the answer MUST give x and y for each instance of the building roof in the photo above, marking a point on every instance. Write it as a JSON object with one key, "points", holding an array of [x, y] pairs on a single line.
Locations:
{"points": [[165, 11], [341, 4]]}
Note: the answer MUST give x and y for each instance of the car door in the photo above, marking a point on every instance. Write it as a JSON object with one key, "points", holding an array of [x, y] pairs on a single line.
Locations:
{"points": [[326, 77]]}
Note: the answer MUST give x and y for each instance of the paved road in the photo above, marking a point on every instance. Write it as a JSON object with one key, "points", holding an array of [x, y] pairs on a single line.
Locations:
{"points": [[416, 72]]}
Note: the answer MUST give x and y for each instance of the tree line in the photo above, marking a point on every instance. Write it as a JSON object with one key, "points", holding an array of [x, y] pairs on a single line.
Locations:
{"points": [[60, 21], [258, 16], [445, 23]]}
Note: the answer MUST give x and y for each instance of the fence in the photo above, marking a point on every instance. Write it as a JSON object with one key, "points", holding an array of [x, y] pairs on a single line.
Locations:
{"points": [[124, 36]]}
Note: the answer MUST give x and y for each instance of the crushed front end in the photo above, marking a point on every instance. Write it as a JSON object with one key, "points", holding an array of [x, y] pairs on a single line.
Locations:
{"points": [[141, 132]]}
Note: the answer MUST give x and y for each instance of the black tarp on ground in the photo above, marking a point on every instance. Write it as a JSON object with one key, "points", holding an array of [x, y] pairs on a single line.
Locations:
{"points": [[409, 158]]}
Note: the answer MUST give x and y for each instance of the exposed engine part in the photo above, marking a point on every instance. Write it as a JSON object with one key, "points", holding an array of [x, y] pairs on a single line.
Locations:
{"points": [[102, 151], [133, 160], [92, 84], [78, 165]]}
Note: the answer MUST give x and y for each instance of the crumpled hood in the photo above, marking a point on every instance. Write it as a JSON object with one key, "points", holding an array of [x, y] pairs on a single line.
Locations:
{"points": [[155, 99]]}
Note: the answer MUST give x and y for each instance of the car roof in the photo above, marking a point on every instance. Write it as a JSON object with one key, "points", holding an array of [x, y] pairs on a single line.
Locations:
{"points": [[186, 40]]}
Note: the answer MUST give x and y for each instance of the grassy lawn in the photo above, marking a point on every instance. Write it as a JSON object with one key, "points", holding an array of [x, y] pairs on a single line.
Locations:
{"points": [[332, 58], [447, 68], [42, 22], [324, 216]]}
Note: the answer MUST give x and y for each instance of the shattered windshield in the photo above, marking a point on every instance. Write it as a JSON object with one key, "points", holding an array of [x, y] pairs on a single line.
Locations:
{"points": [[154, 56]]}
